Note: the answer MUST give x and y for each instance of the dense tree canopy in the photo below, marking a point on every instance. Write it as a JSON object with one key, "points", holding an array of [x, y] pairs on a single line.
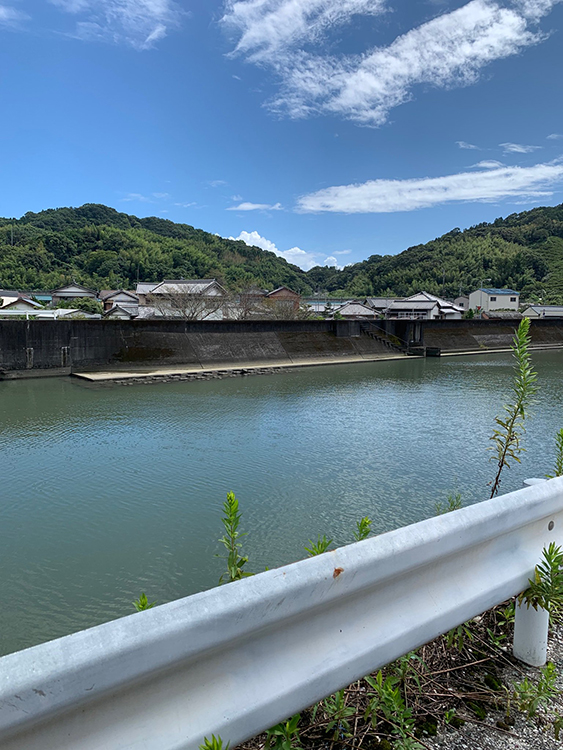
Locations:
{"points": [[102, 248], [523, 252]]}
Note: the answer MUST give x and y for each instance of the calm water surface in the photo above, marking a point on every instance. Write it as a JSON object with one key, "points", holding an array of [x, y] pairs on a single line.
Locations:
{"points": [[108, 491]]}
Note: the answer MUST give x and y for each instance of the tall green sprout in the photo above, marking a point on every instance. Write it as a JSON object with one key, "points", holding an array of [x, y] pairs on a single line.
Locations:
{"points": [[510, 425], [235, 560]]}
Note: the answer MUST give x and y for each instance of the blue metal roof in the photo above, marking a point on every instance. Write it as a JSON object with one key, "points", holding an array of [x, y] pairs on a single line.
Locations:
{"points": [[499, 291]]}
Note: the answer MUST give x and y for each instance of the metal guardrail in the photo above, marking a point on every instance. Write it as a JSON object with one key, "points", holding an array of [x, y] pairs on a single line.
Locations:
{"points": [[240, 658]]}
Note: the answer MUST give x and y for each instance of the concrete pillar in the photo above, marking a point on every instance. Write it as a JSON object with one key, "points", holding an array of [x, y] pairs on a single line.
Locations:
{"points": [[530, 625], [530, 634]]}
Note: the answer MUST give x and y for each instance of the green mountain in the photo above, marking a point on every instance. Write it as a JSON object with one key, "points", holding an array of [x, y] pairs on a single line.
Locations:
{"points": [[523, 252], [102, 248]]}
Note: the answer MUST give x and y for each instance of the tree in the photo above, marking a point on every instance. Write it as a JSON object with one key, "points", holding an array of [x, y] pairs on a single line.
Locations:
{"points": [[186, 305], [86, 304]]}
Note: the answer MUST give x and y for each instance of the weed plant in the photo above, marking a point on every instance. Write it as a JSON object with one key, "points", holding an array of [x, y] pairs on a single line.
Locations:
{"points": [[510, 425]]}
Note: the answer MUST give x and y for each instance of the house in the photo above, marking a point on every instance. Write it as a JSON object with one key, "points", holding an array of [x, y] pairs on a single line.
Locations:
{"points": [[446, 310], [189, 299], [121, 313], [14, 306], [72, 291], [324, 305], [543, 311], [412, 310], [143, 289], [380, 304], [356, 311], [203, 287], [23, 304], [284, 297], [120, 297], [423, 306], [494, 299], [462, 302]]}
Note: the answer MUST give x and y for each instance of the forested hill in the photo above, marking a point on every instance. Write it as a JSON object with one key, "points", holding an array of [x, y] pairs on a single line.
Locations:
{"points": [[104, 249], [523, 252]]}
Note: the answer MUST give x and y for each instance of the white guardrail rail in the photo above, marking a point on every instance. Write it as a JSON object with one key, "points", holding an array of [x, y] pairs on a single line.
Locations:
{"points": [[239, 658]]}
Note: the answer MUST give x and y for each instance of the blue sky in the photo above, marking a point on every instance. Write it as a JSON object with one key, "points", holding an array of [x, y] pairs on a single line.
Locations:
{"points": [[326, 130]]}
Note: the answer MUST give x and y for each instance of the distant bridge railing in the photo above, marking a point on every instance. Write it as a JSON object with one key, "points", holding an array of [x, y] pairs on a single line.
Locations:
{"points": [[240, 658]]}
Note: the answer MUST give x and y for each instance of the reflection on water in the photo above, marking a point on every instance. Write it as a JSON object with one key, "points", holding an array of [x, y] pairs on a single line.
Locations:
{"points": [[109, 491]]}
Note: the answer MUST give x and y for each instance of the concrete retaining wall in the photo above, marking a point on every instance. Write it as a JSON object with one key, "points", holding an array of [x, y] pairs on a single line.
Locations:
{"points": [[43, 347], [478, 335], [40, 347]]}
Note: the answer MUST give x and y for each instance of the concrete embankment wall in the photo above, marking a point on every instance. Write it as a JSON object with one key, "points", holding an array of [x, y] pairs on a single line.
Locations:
{"points": [[59, 347], [480, 335]]}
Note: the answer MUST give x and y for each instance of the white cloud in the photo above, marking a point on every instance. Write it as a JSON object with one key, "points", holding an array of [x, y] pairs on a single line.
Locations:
{"points": [[217, 183], [11, 16], [161, 196], [185, 205], [139, 23], [386, 196], [267, 27], [487, 164], [518, 148], [332, 262], [464, 144], [555, 136], [256, 207], [137, 197], [450, 50], [294, 255]]}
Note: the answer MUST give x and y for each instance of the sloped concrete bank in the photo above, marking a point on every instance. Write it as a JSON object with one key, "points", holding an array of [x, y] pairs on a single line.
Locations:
{"points": [[138, 348], [487, 335], [35, 348]]}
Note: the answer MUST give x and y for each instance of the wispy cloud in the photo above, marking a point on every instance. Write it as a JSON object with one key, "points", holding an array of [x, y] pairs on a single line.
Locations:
{"points": [[450, 50], [518, 148], [555, 136], [139, 23], [139, 197], [294, 255], [256, 207], [387, 196], [217, 183], [487, 164], [469, 146], [267, 27], [10, 16], [185, 205]]}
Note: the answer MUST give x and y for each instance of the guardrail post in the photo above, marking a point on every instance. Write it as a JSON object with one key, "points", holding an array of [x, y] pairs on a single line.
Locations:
{"points": [[530, 634], [530, 625]]}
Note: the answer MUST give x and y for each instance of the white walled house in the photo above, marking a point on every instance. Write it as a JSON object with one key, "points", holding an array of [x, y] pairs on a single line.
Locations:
{"points": [[120, 298], [424, 306], [488, 300], [462, 302]]}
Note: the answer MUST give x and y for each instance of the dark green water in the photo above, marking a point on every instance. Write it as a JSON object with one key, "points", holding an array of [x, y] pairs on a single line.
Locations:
{"points": [[108, 491]]}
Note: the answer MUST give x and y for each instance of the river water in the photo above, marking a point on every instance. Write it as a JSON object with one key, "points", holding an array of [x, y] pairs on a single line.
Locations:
{"points": [[108, 491]]}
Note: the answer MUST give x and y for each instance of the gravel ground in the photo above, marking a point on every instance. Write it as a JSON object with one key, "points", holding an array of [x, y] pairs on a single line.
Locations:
{"points": [[525, 735]]}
